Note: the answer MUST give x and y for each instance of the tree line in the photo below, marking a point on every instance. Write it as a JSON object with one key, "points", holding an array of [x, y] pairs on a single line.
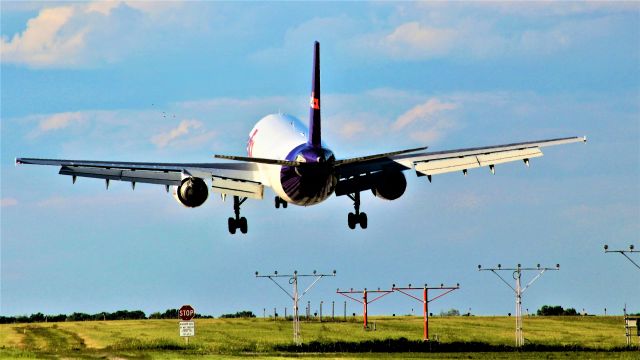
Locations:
{"points": [[101, 316]]}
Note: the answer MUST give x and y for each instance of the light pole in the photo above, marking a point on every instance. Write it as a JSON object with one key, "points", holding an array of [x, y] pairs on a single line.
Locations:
{"points": [[624, 253], [519, 290], [293, 280]]}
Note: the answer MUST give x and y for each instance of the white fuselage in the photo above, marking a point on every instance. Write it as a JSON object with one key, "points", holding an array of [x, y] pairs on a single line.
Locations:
{"points": [[276, 136]]}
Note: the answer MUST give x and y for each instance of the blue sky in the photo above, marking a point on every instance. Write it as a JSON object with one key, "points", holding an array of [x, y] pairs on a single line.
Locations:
{"points": [[92, 81]]}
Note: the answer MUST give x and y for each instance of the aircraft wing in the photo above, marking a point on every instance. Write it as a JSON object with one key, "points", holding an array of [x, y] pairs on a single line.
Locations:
{"points": [[440, 162], [241, 179]]}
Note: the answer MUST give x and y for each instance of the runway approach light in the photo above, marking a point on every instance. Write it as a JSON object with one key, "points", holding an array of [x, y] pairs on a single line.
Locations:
{"points": [[631, 247], [606, 247], [256, 273]]}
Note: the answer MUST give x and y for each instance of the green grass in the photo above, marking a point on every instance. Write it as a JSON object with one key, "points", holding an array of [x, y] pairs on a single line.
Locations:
{"points": [[490, 337]]}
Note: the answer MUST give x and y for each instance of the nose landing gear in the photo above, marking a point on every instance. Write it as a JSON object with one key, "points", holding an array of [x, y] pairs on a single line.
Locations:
{"points": [[279, 201], [238, 222], [358, 217]]}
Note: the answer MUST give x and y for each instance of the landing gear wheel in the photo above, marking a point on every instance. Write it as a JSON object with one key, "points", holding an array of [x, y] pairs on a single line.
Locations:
{"points": [[351, 220], [238, 222], [362, 219], [232, 225], [279, 201], [356, 218], [243, 225]]}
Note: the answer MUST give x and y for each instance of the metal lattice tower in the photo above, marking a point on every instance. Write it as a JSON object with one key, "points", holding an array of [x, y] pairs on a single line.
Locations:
{"points": [[519, 290], [293, 280], [624, 253]]}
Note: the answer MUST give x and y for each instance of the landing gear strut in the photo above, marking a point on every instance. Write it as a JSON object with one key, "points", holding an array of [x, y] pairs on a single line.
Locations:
{"points": [[279, 201], [358, 217], [238, 222]]}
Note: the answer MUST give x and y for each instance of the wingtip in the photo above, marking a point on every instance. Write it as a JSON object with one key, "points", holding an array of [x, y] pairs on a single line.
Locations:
{"points": [[584, 139]]}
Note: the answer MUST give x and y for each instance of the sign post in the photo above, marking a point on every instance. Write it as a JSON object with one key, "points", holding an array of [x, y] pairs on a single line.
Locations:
{"points": [[187, 327]]}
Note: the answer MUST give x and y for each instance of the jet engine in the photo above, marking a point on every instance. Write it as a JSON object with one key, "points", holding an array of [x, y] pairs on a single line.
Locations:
{"points": [[389, 185], [192, 192]]}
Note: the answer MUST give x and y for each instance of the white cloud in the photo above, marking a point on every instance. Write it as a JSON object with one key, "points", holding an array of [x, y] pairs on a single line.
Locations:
{"points": [[428, 30], [352, 128], [83, 34], [423, 112], [185, 128], [6, 202], [60, 121], [41, 43], [414, 40]]}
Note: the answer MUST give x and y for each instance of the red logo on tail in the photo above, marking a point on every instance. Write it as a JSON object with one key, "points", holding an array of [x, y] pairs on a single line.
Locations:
{"points": [[315, 102]]}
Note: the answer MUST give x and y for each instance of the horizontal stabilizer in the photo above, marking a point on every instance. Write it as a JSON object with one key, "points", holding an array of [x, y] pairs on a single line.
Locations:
{"points": [[259, 160], [378, 156]]}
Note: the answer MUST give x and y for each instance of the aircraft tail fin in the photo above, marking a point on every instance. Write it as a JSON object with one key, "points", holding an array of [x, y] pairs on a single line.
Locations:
{"points": [[314, 103]]}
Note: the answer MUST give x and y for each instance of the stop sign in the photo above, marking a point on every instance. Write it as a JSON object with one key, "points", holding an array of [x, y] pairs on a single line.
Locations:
{"points": [[186, 312]]}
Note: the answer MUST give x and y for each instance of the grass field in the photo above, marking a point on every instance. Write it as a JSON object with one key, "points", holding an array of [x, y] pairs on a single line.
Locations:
{"points": [[488, 337]]}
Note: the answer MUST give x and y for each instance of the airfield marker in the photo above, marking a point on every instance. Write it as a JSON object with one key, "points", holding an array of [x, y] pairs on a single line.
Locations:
{"points": [[519, 290], [624, 253], [425, 300], [293, 280], [365, 301]]}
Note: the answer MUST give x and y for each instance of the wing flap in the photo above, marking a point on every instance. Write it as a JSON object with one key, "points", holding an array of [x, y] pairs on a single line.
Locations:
{"points": [[233, 187], [138, 176], [434, 167], [461, 163], [508, 156]]}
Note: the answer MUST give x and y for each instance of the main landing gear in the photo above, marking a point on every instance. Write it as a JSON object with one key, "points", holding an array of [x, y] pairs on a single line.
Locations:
{"points": [[238, 222], [358, 217], [279, 201]]}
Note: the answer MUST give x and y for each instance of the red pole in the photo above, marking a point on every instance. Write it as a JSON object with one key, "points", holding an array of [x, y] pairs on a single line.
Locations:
{"points": [[364, 302], [426, 315]]}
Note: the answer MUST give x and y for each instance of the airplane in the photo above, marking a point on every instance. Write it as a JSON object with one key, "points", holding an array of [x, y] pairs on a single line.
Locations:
{"points": [[301, 170]]}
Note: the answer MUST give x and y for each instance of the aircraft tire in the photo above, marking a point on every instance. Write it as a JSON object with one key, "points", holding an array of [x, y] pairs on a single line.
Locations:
{"points": [[243, 225], [351, 220], [277, 202], [232, 225], [284, 204], [363, 220]]}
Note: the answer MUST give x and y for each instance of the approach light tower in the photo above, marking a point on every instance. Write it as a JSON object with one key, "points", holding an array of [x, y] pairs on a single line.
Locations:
{"points": [[519, 290], [624, 253], [425, 300], [293, 280]]}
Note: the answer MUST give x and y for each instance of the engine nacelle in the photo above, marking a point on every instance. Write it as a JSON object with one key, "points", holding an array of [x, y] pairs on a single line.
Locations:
{"points": [[192, 192], [389, 185]]}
